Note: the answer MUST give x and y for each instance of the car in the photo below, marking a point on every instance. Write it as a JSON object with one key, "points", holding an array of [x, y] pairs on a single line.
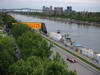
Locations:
{"points": [[71, 60]]}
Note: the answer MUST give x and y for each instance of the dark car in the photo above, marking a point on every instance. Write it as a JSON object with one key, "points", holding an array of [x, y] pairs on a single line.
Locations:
{"points": [[71, 60]]}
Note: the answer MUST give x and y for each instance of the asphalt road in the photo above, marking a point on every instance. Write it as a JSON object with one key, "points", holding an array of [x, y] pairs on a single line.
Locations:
{"points": [[81, 67]]}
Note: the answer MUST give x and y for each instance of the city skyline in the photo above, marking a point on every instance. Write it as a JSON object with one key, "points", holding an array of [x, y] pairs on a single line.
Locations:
{"points": [[83, 5]]}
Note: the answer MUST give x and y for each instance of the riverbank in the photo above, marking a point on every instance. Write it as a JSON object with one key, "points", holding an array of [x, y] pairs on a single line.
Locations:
{"points": [[78, 18], [67, 20]]}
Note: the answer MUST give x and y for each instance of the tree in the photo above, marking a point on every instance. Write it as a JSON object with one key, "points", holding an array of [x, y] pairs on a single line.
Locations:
{"points": [[25, 67], [18, 29], [37, 66], [1, 21], [57, 57], [7, 54], [32, 44], [52, 68], [7, 18]]}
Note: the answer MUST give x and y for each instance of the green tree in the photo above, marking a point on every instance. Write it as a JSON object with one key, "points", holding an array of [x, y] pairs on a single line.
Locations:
{"points": [[37, 66], [7, 53], [19, 29], [32, 44], [7, 18], [25, 67], [57, 57], [52, 68], [1, 21]]}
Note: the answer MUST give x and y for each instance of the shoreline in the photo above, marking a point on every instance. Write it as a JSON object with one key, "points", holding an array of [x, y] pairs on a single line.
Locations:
{"points": [[66, 20], [63, 19]]}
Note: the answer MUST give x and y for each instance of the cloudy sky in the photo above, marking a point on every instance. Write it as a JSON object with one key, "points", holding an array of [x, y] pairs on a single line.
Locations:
{"points": [[79, 5]]}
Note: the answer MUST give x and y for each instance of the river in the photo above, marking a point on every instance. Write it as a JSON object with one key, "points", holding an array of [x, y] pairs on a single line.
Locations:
{"points": [[88, 36]]}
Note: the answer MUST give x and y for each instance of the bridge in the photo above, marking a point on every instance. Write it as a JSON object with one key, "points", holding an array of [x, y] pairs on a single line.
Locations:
{"points": [[21, 10]]}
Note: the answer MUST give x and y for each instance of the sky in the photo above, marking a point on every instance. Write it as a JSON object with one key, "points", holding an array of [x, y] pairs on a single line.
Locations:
{"points": [[78, 5]]}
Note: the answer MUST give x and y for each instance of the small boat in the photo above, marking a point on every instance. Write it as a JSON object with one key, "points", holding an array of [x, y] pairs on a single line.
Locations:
{"points": [[77, 44]]}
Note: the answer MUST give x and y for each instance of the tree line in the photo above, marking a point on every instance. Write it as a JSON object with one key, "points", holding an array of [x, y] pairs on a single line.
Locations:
{"points": [[78, 16]]}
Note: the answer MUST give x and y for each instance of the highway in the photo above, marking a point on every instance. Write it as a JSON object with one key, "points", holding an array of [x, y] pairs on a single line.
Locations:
{"points": [[80, 67]]}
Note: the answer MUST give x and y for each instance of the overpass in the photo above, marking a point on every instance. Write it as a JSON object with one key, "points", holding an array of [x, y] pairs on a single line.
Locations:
{"points": [[21, 10]]}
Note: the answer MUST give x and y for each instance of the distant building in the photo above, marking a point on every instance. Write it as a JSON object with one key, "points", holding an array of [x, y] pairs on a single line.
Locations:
{"points": [[46, 10], [51, 12], [69, 9], [51, 8], [58, 10]]}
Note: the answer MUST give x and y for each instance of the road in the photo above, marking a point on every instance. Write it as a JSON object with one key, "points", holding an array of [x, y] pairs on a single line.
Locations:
{"points": [[81, 67]]}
